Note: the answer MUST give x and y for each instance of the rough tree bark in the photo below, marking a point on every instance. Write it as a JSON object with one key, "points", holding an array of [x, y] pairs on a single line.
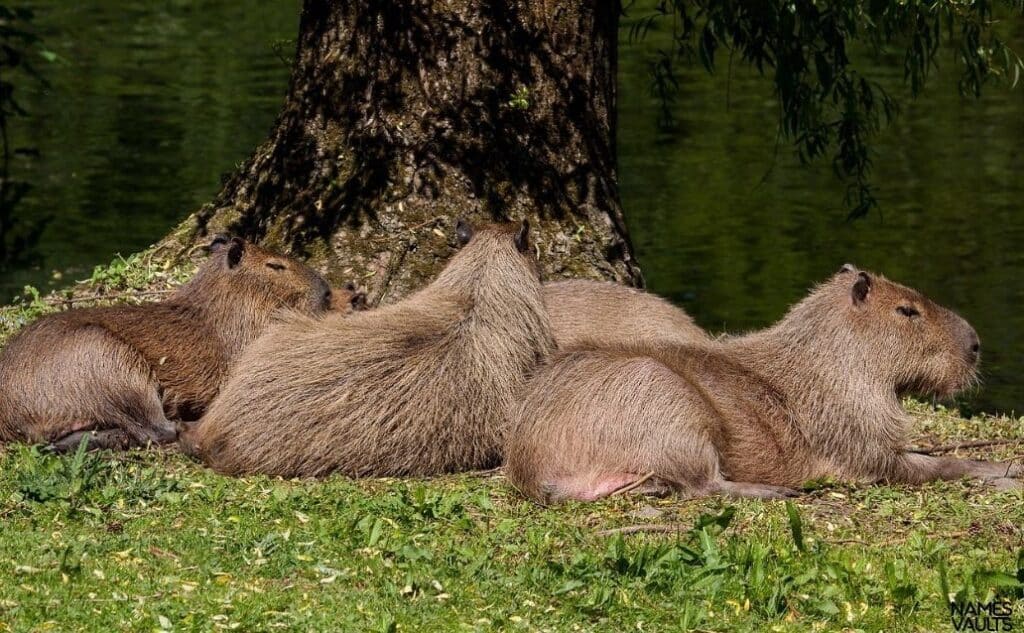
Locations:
{"points": [[403, 115]]}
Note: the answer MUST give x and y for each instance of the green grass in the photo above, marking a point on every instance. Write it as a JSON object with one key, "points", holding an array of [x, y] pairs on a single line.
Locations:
{"points": [[151, 541]]}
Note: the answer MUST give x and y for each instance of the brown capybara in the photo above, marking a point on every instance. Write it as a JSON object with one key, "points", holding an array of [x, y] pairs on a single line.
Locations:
{"points": [[589, 314], [419, 387], [818, 394], [117, 375]]}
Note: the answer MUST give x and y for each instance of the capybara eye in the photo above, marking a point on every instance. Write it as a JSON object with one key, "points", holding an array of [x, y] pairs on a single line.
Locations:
{"points": [[908, 311], [276, 265]]}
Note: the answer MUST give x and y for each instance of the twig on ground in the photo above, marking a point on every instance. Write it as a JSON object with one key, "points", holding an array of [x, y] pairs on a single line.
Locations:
{"points": [[633, 486], [483, 473], [949, 448]]}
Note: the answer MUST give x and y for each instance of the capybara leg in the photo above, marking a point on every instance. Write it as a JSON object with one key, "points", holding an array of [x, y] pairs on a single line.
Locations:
{"points": [[135, 429], [110, 439], [914, 468], [187, 438], [147, 424], [741, 489]]}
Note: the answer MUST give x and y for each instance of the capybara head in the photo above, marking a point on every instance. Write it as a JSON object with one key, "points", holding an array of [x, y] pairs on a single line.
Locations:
{"points": [[893, 331], [282, 280], [499, 239]]}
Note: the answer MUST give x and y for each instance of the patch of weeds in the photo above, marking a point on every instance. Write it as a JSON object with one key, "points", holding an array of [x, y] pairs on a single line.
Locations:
{"points": [[22, 311], [139, 483], [64, 480], [136, 272]]}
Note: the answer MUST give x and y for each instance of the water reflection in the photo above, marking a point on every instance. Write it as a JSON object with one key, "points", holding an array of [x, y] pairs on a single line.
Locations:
{"points": [[20, 49], [149, 105]]}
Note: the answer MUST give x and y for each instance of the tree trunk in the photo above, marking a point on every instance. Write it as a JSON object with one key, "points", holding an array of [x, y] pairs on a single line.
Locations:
{"points": [[404, 115]]}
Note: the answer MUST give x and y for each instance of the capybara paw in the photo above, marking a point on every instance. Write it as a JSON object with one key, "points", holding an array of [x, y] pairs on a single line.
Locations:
{"points": [[1007, 483]]}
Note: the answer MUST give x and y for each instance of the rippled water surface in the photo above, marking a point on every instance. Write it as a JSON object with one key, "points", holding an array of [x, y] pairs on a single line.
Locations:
{"points": [[154, 100]]}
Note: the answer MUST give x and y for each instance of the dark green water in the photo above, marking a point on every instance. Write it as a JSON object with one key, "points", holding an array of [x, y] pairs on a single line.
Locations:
{"points": [[156, 99], [153, 101]]}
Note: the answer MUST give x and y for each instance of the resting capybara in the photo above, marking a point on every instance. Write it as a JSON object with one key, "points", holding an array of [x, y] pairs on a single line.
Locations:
{"points": [[817, 394], [419, 387], [599, 314], [117, 374]]}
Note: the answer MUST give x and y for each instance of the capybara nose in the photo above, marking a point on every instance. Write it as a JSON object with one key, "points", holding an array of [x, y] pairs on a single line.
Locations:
{"points": [[974, 345]]}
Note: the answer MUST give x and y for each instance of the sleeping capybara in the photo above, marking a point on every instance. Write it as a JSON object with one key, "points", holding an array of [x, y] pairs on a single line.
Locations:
{"points": [[817, 394], [118, 375], [589, 314], [419, 387]]}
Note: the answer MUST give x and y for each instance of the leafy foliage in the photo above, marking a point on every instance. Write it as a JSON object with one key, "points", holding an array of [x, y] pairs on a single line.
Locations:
{"points": [[811, 49]]}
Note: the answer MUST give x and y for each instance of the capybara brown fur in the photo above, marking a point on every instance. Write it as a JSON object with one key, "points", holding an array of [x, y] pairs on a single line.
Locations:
{"points": [[416, 388], [118, 375], [589, 314], [817, 394]]}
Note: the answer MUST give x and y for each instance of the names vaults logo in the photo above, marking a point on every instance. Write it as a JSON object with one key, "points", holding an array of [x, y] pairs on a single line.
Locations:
{"points": [[982, 616]]}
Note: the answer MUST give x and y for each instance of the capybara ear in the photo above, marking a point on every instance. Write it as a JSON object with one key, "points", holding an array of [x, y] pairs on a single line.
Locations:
{"points": [[848, 268], [861, 288], [523, 237], [236, 249], [463, 232], [357, 298], [218, 242]]}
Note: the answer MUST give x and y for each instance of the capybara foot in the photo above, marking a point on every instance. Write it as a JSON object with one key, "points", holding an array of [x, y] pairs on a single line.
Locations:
{"points": [[163, 432], [112, 439], [1006, 483], [754, 491]]}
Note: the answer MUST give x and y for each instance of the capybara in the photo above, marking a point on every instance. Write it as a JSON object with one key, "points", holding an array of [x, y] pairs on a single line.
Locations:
{"points": [[119, 374], [818, 394], [416, 388], [589, 314]]}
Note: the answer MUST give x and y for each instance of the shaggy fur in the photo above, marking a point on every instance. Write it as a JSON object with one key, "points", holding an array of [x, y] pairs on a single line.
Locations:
{"points": [[817, 394], [599, 314], [119, 374], [416, 388]]}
